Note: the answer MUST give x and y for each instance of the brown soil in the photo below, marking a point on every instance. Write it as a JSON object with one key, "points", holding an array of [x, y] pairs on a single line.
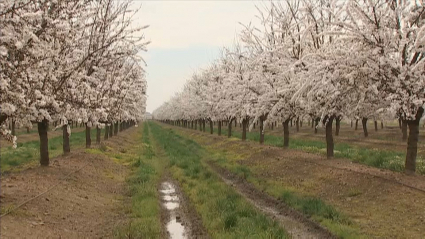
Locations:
{"points": [[87, 204], [187, 213], [380, 202], [296, 224]]}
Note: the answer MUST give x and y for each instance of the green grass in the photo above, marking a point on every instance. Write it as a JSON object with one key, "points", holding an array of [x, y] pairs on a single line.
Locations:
{"points": [[379, 158], [28, 152], [145, 209], [225, 214], [311, 206]]}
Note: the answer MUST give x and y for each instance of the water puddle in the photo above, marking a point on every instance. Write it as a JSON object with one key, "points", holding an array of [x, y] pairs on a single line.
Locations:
{"points": [[171, 202]]}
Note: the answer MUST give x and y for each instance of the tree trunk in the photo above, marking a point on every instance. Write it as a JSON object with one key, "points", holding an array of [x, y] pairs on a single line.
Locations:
{"points": [[400, 123], [316, 125], [196, 125], [301, 123], [404, 129], [28, 130], [357, 124], [65, 140], [244, 126], [13, 127], [351, 123], [44, 142], [286, 133], [229, 128], [203, 125], [291, 123], [106, 132], [261, 130], [115, 129], [111, 130], [376, 125], [211, 127], [382, 125], [219, 127], [308, 122], [329, 138], [297, 123], [98, 132], [364, 124], [235, 123], [412, 143], [88, 136], [337, 125]]}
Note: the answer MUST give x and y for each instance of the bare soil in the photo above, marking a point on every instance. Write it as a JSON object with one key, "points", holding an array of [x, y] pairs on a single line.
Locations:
{"points": [[87, 204], [380, 202]]}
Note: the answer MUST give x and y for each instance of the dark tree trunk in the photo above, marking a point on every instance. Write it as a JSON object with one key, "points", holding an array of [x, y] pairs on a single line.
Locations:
{"points": [[312, 122], [400, 123], [211, 127], [235, 123], [65, 140], [196, 125], [364, 124], [337, 125], [115, 129], [404, 130], [106, 132], [44, 142], [219, 127], [191, 124], [301, 123], [297, 124], [98, 132], [308, 122], [412, 143], [382, 124], [286, 133], [261, 130], [254, 125], [88, 135], [203, 125], [329, 137], [244, 126], [351, 123], [272, 126], [111, 130], [357, 124], [229, 128], [291, 123], [28, 130], [13, 127], [376, 125], [316, 125]]}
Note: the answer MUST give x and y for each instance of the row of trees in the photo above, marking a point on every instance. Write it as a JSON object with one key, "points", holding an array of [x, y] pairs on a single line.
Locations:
{"points": [[358, 59], [69, 61]]}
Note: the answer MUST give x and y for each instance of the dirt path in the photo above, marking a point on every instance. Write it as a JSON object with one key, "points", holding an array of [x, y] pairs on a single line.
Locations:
{"points": [[87, 204], [297, 225], [178, 216]]}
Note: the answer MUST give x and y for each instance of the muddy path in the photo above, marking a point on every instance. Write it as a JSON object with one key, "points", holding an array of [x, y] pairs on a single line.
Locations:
{"points": [[179, 218], [295, 223]]}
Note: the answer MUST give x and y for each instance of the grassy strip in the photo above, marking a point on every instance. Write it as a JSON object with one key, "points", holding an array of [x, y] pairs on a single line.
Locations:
{"points": [[313, 207], [378, 158], [225, 214], [28, 152], [145, 208]]}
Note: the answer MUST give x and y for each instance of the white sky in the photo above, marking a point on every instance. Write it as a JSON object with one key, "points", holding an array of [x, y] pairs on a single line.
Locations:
{"points": [[185, 36]]}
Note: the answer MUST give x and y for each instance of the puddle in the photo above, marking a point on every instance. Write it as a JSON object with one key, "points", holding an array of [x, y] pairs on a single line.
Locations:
{"points": [[171, 202]]}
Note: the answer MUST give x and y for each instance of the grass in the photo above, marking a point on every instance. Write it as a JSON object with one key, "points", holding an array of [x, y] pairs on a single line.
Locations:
{"points": [[144, 209], [311, 206], [385, 159], [225, 214], [28, 152]]}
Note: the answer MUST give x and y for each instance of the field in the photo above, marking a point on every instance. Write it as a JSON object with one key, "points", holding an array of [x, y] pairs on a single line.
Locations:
{"points": [[157, 180]]}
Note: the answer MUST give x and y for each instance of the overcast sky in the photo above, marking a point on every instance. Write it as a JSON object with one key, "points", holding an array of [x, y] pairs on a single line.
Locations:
{"points": [[185, 36]]}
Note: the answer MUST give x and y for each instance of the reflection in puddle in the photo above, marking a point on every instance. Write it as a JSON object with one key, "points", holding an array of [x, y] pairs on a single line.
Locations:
{"points": [[171, 202]]}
